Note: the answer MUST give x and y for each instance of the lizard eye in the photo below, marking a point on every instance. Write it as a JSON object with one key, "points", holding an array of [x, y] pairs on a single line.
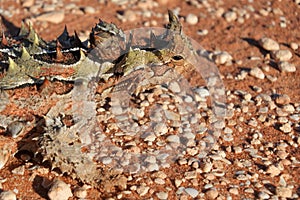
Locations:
{"points": [[177, 58]]}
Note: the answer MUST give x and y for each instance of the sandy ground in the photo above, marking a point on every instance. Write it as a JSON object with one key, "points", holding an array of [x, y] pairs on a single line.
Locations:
{"points": [[239, 39]]}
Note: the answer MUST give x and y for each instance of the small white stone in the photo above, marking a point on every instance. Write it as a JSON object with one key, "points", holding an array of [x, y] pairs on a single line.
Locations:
{"points": [[160, 129], [55, 17], [282, 55], [130, 15], [142, 190], [89, 10], [159, 181], [8, 195], [273, 171], [59, 191], [222, 58], [162, 195], [49, 7], [257, 73], [173, 138], [202, 92], [28, 3], [286, 67], [234, 191], [269, 44], [4, 155], [282, 99], [263, 195], [106, 160], [284, 192], [174, 87], [81, 192], [190, 175], [191, 19], [170, 115], [207, 167], [202, 32], [230, 16], [153, 167], [19, 170], [286, 128], [212, 193], [192, 192], [294, 46]]}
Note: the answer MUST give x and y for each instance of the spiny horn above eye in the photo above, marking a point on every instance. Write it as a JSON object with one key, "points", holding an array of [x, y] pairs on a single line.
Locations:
{"points": [[174, 23]]}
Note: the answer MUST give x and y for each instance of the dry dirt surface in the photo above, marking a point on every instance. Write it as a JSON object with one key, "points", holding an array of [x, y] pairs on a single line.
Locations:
{"points": [[257, 155]]}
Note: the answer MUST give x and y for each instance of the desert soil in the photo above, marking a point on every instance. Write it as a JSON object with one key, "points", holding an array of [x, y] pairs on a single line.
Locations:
{"points": [[232, 26]]}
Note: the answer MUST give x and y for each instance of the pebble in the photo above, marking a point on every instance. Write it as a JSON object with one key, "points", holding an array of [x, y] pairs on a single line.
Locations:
{"points": [[27, 3], [55, 17], [59, 191], [142, 190], [89, 10], [263, 195], [249, 190], [284, 192], [4, 155], [234, 191], [294, 46], [222, 58], [230, 16], [49, 7], [286, 128], [273, 171], [70, 6], [212, 193], [153, 167], [130, 16], [269, 44], [207, 167], [252, 122], [288, 108], [174, 87], [162, 195], [8, 195], [81, 192], [159, 181], [202, 92], [15, 129], [19, 170], [282, 55], [192, 192], [173, 138], [190, 175], [202, 32], [257, 73], [172, 115], [285, 66], [282, 99], [160, 129], [191, 19]]}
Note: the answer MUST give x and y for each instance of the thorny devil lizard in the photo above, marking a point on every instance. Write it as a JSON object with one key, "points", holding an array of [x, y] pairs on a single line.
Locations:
{"points": [[27, 59]]}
